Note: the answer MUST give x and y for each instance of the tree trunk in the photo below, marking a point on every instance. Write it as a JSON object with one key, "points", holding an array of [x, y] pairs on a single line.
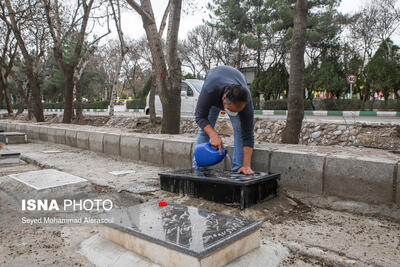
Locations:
{"points": [[295, 117], [115, 84], [36, 99], [152, 106], [22, 96], [6, 93], [78, 95], [169, 92], [77, 88], [68, 94]]}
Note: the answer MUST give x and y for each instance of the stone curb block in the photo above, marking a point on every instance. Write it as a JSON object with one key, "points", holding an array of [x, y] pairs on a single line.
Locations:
{"points": [[362, 179], [82, 139], [70, 137], [130, 147], [51, 135], [397, 186], [260, 160], [299, 170], [61, 136], [11, 127], [96, 142], [43, 133], [56, 135], [35, 131], [178, 154], [111, 144], [151, 150]]}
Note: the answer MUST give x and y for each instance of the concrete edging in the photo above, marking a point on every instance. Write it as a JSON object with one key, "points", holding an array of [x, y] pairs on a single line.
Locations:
{"points": [[368, 179]]}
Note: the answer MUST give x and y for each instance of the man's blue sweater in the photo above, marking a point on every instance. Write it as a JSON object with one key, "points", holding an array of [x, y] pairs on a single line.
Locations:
{"points": [[211, 95]]}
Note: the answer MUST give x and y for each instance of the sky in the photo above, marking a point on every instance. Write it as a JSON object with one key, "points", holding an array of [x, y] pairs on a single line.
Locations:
{"points": [[193, 15]]}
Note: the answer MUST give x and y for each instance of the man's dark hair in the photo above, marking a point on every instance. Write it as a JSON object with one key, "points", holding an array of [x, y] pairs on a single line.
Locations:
{"points": [[236, 93]]}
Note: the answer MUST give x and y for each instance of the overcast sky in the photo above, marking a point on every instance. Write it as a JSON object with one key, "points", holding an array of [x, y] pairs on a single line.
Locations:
{"points": [[193, 16]]}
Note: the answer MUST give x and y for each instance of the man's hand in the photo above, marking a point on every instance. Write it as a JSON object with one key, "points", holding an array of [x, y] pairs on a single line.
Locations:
{"points": [[216, 141], [246, 170]]}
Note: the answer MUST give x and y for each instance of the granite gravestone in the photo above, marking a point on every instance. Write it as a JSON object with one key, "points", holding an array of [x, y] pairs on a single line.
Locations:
{"points": [[221, 186], [189, 236]]}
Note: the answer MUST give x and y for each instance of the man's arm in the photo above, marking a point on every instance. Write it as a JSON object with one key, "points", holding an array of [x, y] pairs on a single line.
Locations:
{"points": [[247, 124], [247, 153], [246, 166]]}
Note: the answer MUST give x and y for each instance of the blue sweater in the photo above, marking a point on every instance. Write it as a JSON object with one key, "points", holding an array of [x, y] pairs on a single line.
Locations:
{"points": [[211, 95]]}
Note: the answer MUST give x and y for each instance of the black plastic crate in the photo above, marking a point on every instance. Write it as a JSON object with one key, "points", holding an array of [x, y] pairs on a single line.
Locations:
{"points": [[221, 186]]}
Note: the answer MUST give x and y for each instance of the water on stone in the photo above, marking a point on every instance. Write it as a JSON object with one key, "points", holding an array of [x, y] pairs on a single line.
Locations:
{"points": [[224, 174], [192, 230]]}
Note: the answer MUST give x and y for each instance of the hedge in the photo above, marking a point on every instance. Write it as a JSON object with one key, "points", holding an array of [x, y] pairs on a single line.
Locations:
{"points": [[85, 105], [138, 103], [332, 104]]}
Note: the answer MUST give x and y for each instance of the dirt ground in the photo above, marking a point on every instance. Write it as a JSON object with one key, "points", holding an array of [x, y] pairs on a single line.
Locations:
{"points": [[317, 230]]}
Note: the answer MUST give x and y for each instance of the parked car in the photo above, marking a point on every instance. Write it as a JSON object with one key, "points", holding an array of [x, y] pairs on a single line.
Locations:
{"points": [[190, 91]]}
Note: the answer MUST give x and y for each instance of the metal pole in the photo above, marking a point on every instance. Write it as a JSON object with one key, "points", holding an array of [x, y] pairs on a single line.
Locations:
{"points": [[351, 91]]}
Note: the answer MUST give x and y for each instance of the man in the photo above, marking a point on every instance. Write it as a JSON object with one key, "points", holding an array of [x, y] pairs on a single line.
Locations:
{"points": [[225, 89]]}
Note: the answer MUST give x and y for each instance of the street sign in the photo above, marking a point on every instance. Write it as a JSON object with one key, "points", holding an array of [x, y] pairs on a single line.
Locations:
{"points": [[351, 79]]}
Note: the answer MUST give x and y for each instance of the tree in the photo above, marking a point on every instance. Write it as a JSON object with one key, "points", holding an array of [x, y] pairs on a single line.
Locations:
{"points": [[116, 11], [199, 48], [22, 18], [291, 133], [133, 67], [167, 67], [73, 26], [383, 69], [331, 74], [271, 82], [231, 21], [8, 53]]}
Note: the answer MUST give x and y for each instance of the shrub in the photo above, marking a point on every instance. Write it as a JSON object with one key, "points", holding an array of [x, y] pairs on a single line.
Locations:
{"points": [[138, 103]]}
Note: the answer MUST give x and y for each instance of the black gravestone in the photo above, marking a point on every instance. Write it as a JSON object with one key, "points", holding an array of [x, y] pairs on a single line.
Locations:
{"points": [[221, 186], [190, 230]]}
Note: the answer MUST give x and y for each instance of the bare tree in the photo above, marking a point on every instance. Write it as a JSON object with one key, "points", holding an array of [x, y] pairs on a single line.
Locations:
{"points": [[167, 67], [201, 43], [17, 17], [291, 133], [133, 65], [88, 51], [69, 25], [388, 18], [8, 54], [116, 11]]}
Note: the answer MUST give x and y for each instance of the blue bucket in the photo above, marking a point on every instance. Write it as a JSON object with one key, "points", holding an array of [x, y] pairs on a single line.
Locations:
{"points": [[205, 155]]}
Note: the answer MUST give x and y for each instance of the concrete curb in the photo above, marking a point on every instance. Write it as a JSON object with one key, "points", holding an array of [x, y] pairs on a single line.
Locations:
{"points": [[333, 113], [271, 112], [370, 179]]}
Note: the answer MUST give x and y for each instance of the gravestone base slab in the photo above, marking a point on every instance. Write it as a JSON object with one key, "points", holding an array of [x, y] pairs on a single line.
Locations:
{"points": [[178, 235]]}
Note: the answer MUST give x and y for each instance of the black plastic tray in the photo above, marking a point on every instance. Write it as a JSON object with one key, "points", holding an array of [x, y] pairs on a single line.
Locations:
{"points": [[221, 186]]}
